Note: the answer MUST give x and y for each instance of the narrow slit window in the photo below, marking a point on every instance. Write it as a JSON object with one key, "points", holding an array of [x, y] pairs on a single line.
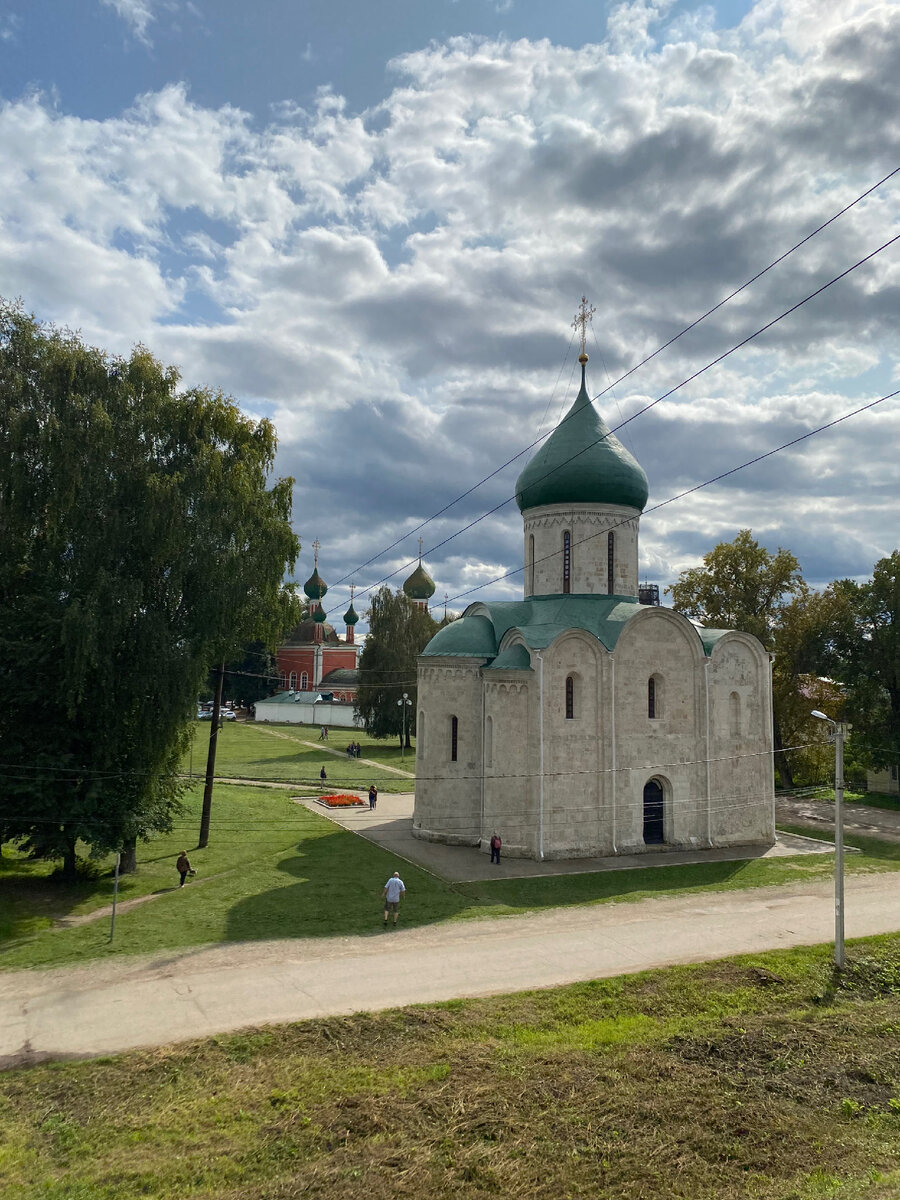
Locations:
{"points": [[454, 738], [611, 562], [734, 714], [531, 564], [489, 742], [651, 698], [420, 734], [567, 562], [570, 698]]}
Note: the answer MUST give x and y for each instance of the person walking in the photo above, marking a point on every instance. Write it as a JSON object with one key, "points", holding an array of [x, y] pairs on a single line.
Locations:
{"points": [[496, 843], [393, 890], [322, 774], [373, 796], [183, 867]]}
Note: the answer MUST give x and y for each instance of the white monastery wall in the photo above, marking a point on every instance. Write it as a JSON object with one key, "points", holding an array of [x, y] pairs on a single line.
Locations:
{"points": [[589, 526]]}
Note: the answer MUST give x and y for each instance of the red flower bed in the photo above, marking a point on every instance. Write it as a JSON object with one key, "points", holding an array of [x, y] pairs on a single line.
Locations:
{"points": [[341, 800]]}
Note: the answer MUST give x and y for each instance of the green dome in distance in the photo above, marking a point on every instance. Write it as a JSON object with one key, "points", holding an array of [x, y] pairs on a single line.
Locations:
{"points": [[582, 462], [315, 587], [420, 585], [350, 616], [319, 613]]}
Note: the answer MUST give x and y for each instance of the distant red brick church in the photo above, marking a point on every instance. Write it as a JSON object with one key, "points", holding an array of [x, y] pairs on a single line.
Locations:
{"points": [[313, 658]]}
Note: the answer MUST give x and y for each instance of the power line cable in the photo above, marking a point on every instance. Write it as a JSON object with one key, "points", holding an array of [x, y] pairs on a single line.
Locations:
{"points": [[659, 350], [689, 491], [646, 408]]}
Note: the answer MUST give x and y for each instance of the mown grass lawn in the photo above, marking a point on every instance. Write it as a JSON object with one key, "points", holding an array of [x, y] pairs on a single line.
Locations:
{"points": [[756, 1078], [272, 869], [282, 753], [275, 870]]}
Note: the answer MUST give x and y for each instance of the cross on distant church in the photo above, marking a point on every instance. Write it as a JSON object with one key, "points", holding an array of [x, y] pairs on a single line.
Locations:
{"points": [[421, 543], [315, 553], [583, 318], [352, 590]]}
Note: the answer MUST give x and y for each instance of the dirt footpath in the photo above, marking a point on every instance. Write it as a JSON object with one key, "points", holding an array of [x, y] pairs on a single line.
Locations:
{"points": [[105, 1007]]}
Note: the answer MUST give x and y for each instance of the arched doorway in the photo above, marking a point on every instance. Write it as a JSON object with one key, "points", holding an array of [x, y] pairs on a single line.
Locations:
{"points": [[653, 813]]}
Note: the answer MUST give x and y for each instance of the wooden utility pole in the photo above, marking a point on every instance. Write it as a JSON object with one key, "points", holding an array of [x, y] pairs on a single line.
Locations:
{"points": [[203, 840]]}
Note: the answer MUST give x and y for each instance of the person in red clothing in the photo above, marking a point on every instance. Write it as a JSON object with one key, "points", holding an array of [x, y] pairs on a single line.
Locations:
{"points": [[496, 843]]}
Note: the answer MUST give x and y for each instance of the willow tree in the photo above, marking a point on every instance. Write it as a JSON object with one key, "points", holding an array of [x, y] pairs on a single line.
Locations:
{"points": [[143, 540]]}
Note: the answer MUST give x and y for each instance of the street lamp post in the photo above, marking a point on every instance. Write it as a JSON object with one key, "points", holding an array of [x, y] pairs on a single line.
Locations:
{"points": [[404, 703], [838, 732]]}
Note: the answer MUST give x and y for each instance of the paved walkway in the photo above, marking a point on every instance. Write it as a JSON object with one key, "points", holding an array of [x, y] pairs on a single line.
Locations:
{"points": [[858, 818], [370, 762], [110, 1006], [390, 826]]}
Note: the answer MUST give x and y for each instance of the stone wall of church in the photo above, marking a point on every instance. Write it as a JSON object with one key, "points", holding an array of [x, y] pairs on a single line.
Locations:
{"points": [[448, 790], [742, 788], [576, 748], [660, 729], [589, 527], [511, 761]]}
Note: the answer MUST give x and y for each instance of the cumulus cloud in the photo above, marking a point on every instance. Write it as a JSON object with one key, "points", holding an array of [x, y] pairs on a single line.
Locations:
{"points": [[394, 287]]}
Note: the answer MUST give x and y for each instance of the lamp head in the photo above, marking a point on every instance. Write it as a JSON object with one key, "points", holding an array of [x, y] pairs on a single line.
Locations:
{"points": [[821, 716]]}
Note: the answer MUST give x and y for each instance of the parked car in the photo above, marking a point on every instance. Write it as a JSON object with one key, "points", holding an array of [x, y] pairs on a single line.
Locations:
{"points": [[227, 714]]}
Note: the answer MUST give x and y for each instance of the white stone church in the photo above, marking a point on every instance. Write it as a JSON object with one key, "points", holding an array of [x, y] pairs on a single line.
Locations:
{"points": [[578, 721]]}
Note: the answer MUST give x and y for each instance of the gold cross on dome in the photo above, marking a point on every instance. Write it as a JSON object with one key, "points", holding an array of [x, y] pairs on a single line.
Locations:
{"points": [[316, 549], [421, 544], [583, 318]]}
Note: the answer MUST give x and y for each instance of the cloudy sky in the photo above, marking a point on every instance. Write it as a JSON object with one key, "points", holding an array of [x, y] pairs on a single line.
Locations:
{"points": [[373, 223]]}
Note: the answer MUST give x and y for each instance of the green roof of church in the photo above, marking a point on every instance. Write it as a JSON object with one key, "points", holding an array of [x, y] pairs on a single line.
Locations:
{"points": [[468, 637], [319, 613], [420, 585], [479, 632], [513, 658], [351, 616], [581, 462]]}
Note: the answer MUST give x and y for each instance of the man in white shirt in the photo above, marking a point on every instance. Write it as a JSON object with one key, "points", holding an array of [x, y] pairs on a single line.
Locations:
{"points": [[393, 890]]}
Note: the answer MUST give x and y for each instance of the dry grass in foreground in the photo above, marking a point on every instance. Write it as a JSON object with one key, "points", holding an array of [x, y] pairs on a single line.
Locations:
{"points": [[758, 1078]]}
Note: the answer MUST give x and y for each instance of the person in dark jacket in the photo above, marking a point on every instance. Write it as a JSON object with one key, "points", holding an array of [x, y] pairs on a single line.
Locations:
{"points": [[496, 843], [183, 867]]}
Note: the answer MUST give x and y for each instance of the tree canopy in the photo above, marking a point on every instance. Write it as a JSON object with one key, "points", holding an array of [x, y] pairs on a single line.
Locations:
{"points": [[398, 633], [143, 542]]}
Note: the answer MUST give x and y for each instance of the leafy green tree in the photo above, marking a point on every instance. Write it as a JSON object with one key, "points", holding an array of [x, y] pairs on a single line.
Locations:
{"points": [[398, 632], [741, 585], [867, 660], [250, 677], [143, 542]]}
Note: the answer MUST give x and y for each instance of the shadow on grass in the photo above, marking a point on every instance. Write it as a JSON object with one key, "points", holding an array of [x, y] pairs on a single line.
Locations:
{"points": [[337, 890], [558, 890]]}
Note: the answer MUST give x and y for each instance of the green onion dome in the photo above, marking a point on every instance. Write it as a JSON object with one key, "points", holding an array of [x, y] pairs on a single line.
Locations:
{"points": [[581, 462], [420, 585], [315, 587], [351, 616], [319, 614]]}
